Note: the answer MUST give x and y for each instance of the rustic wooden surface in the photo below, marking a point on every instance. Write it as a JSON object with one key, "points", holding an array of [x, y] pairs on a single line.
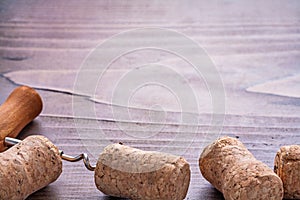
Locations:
{"points": [[255, 46]]}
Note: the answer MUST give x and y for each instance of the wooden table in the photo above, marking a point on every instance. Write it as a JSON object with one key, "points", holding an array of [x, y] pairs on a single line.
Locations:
{"points": [[254, 45]]}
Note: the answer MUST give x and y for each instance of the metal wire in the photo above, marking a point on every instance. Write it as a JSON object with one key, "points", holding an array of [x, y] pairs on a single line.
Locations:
{"points": [[79, 157], [12, 141]]}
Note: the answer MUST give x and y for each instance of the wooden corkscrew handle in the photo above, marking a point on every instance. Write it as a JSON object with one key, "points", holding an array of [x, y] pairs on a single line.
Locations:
{"points": [[19, 109]]}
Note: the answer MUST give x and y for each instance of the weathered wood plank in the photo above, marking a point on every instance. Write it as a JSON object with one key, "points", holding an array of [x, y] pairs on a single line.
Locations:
{"points": [[252, 43]]}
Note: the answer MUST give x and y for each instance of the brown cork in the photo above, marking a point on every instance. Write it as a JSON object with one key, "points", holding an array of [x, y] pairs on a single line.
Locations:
{"points": [[234, 171], [20, 108], [127, 172], [287, 167], [27, 167]]}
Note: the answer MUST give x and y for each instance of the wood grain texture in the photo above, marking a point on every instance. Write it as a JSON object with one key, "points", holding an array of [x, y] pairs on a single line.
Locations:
{"points": [[253, 44]]}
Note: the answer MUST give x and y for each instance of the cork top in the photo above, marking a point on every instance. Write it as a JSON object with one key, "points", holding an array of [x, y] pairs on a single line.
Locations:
{"points": [[113, 156]]}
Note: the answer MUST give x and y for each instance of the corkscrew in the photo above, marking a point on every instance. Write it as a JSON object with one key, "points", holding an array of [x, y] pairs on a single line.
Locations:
{"points": [[121, 171]]}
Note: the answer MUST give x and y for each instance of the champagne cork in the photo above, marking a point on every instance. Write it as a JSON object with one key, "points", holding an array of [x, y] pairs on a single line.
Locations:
{"points": [[234, 171], [287, 167], [127, 172], [27, 167]]}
